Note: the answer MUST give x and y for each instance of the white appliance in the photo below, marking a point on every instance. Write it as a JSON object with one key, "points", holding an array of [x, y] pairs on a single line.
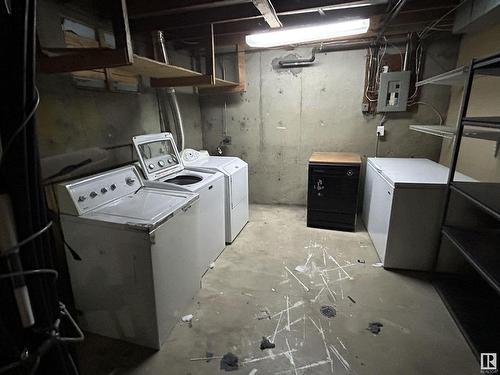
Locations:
{"points": [[402, 210], [163, 169], [135, 277], [235, 173]]}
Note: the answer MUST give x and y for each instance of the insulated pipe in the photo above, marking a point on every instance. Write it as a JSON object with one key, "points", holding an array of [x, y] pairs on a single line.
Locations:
{"points": [[161, 54], [332, 47], [407, 52]]}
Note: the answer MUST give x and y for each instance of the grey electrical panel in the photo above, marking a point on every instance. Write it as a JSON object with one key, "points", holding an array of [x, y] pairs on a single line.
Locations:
{"points": [[393, 91]]}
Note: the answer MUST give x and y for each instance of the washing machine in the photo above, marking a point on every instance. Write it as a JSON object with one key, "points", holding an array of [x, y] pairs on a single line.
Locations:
{"points": [[235, 173], [135, 276], [162, 168]]}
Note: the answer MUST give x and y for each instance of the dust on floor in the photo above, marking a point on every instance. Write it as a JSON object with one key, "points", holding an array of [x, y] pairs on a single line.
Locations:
{"points": [[273, 282]]}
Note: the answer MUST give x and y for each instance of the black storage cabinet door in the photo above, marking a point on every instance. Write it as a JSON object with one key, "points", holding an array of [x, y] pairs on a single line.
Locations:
{"points": [[332, 196]]}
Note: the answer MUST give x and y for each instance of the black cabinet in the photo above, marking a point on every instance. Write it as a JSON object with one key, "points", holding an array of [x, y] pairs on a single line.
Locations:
{"points": [[332, 197]]}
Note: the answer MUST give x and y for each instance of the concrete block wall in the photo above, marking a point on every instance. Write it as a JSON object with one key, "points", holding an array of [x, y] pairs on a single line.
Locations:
{"points": [[285, 115]]}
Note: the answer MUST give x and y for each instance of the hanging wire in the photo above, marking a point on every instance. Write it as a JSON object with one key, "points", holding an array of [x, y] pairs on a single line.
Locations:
{"points": [[426, 30], [15, 248], [20, 128]]}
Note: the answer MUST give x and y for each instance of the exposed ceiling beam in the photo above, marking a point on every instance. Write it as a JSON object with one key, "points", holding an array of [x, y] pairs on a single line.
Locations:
{"points": [[241, 12], [156, 8], [267, 10]]}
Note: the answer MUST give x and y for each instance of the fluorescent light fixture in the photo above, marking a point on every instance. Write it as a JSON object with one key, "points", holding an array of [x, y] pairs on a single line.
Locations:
{"points": [[308, 34]]}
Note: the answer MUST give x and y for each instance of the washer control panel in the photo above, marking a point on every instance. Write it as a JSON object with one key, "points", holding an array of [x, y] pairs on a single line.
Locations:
{"points": [[80, 196]]}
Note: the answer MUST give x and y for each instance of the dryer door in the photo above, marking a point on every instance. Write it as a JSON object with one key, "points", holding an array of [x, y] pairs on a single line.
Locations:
{"points": [[238, 175]]}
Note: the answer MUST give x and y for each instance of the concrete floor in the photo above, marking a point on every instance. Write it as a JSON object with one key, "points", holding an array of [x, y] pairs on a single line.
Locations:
{"points": [[418, 335]]}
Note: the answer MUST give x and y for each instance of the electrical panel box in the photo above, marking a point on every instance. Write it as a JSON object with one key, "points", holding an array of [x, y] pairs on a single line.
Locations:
{"points": [[393, 91]]}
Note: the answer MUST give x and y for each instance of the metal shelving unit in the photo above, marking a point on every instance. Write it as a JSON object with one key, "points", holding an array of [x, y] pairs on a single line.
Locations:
{"points": [[471, 225], [455, 77]]}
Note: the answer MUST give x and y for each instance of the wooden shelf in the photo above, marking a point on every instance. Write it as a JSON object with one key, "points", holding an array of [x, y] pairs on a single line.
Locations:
{"points": [[480, 249], [161, 74], [475, 309], [455, 77], [485, 195]]}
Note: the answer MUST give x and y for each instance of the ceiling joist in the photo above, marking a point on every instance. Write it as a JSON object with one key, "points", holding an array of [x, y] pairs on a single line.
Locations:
{"points": [[266, 8]]}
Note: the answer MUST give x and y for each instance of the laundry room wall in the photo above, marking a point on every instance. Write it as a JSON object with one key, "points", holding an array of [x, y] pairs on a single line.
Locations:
{"points": [[285, 115], [72, 118], [478, 157]]}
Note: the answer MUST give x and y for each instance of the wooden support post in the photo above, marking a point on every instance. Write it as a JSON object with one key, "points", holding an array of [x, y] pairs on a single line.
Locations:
{"points": [[121, 29], [210, 54]]}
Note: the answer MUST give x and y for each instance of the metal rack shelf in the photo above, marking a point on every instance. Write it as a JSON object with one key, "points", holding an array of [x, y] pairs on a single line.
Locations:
{"points": [[485, 195], [465, 297], [485, 122], [437, 130], [480, 249], [449, 132], [455, 77]]}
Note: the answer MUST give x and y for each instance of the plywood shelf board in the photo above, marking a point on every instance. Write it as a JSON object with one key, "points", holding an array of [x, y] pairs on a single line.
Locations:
{"points": [[155, 69]]}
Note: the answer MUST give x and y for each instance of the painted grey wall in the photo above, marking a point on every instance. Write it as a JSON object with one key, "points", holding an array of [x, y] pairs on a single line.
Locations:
{"points": [[71, 118], [286, 115]]}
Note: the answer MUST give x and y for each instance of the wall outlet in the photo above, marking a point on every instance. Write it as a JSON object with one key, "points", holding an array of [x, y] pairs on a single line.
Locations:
{"points": [[381, 130]]}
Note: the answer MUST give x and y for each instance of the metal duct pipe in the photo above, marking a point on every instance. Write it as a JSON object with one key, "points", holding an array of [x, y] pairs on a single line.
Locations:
{"points": [[332, 47], [161, 55]]}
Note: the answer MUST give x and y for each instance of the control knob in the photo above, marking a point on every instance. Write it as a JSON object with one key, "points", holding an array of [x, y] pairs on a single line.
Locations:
{"points": [[104, 190], [151, 166], [113, 186], [161, 163], [130, 181], [93, 194], [81, 198]]}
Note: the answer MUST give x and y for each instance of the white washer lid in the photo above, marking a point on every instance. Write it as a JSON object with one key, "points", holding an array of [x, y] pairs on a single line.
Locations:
{"points": [[148, 207], [217, 162]]}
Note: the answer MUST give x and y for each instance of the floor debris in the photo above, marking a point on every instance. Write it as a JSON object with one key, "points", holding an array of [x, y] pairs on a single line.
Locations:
{"points": [[379, 264], [361, 261], [352, 299], [208, 358], [266, 344], [187, 318], [375, 327], [229, 362], [263, 314], [328, 311], [212, 265]]}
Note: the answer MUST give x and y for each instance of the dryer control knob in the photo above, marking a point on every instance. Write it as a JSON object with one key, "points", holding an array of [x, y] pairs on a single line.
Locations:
{"points": [[151, 166], [104, 190], [161, 163], [81, 198], [130, 180], [93, 194], [113, 186]]}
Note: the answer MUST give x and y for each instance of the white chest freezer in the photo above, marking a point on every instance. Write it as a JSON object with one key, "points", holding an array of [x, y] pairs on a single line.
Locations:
{"points": [[402, 210]]}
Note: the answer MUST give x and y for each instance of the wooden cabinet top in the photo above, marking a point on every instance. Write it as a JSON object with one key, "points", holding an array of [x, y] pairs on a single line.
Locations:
{"points": [[335, 158]]}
